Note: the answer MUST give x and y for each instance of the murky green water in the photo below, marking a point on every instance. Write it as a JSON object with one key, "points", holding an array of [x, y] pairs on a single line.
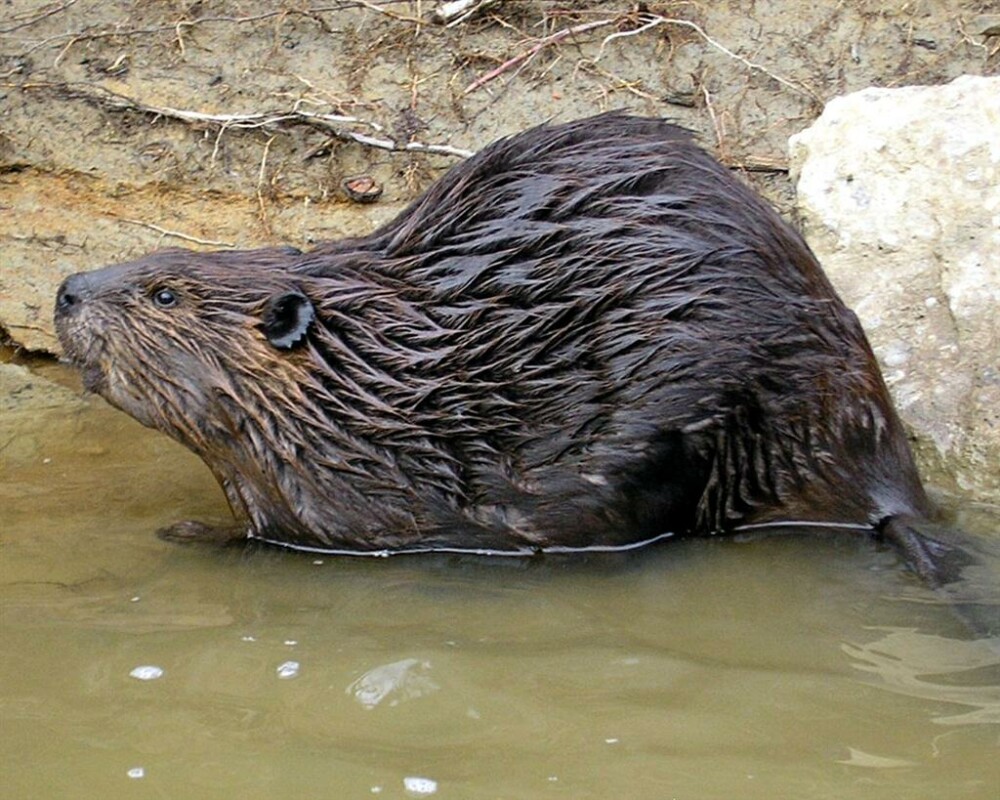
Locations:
{"points": [[782, 668]]}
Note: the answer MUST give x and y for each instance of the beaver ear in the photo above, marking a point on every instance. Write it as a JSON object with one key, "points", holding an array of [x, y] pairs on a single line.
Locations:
{"points": [[286, 319]]}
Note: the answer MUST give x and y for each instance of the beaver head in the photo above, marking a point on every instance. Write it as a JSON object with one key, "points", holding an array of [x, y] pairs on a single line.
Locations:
{"points": [[164, 338], [208, 347]]}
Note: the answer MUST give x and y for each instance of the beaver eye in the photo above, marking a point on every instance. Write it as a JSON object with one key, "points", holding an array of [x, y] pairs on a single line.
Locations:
{"points": [[164, 298]]}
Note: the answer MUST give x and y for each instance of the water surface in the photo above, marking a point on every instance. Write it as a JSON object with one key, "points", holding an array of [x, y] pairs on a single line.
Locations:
{"points": [[787, 667]]}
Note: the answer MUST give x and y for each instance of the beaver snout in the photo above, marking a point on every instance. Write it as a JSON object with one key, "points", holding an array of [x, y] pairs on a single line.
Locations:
{"points": [[71, 299], [80, 287], [73, 292]]}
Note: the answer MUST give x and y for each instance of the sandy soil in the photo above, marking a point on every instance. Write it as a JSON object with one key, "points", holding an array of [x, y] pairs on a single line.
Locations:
{"points": [[126, 126]]}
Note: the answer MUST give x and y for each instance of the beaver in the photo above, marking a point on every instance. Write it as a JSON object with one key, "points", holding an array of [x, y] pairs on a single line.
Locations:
{"points": [[588, 335]]}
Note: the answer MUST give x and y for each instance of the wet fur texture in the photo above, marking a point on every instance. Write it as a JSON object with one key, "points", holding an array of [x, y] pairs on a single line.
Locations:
{"points": [[586, 334]]}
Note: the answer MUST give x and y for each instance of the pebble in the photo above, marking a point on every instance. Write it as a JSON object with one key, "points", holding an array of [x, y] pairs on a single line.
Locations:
{"points": [[289, 669], [147, 672], [419, 787]]}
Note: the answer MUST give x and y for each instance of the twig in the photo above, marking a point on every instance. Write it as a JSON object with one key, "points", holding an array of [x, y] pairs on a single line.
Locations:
{"points": [[654, 21], [174, 234], [554, 38], [390, 14], [268, 119], [716, 124], [260, 182], [38, 18], [218, 143], [629, 86], [63, 52], [180, 38], [767, 166], [310, 12]]}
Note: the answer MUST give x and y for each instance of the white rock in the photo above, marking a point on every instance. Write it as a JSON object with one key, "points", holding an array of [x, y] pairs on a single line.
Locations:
{"points": [[899, 196]]}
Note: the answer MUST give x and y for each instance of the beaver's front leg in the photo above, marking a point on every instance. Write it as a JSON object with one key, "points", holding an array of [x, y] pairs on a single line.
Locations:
{"points": [[193, 532]]}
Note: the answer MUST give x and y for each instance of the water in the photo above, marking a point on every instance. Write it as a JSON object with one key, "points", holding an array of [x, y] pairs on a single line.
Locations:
{"points": [[790, 667]]}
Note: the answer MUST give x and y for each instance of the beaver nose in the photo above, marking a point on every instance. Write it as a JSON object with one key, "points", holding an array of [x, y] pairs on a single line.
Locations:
{"points": [[72, 293]]}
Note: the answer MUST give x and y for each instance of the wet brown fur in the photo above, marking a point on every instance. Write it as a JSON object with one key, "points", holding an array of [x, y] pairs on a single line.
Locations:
{"points": [[586, 334]]}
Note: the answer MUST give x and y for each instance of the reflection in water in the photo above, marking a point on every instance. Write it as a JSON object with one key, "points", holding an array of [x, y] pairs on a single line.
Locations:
{"points": [[859, 758], [691, 670], [419, 787], [288, 669], [147, 672], [402, 680], [916, 664]]}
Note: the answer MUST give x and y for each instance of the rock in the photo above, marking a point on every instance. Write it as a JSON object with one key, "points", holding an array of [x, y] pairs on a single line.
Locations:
{"points": [[985, 25], [899, 196]]}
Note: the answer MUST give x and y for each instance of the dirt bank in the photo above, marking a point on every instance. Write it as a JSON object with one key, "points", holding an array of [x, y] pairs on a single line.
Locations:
{"points": [[129, 126]]}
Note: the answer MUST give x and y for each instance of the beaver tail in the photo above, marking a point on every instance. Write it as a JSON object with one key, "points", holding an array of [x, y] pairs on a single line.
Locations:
{"points": [[933, 554], [937, 562]]}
